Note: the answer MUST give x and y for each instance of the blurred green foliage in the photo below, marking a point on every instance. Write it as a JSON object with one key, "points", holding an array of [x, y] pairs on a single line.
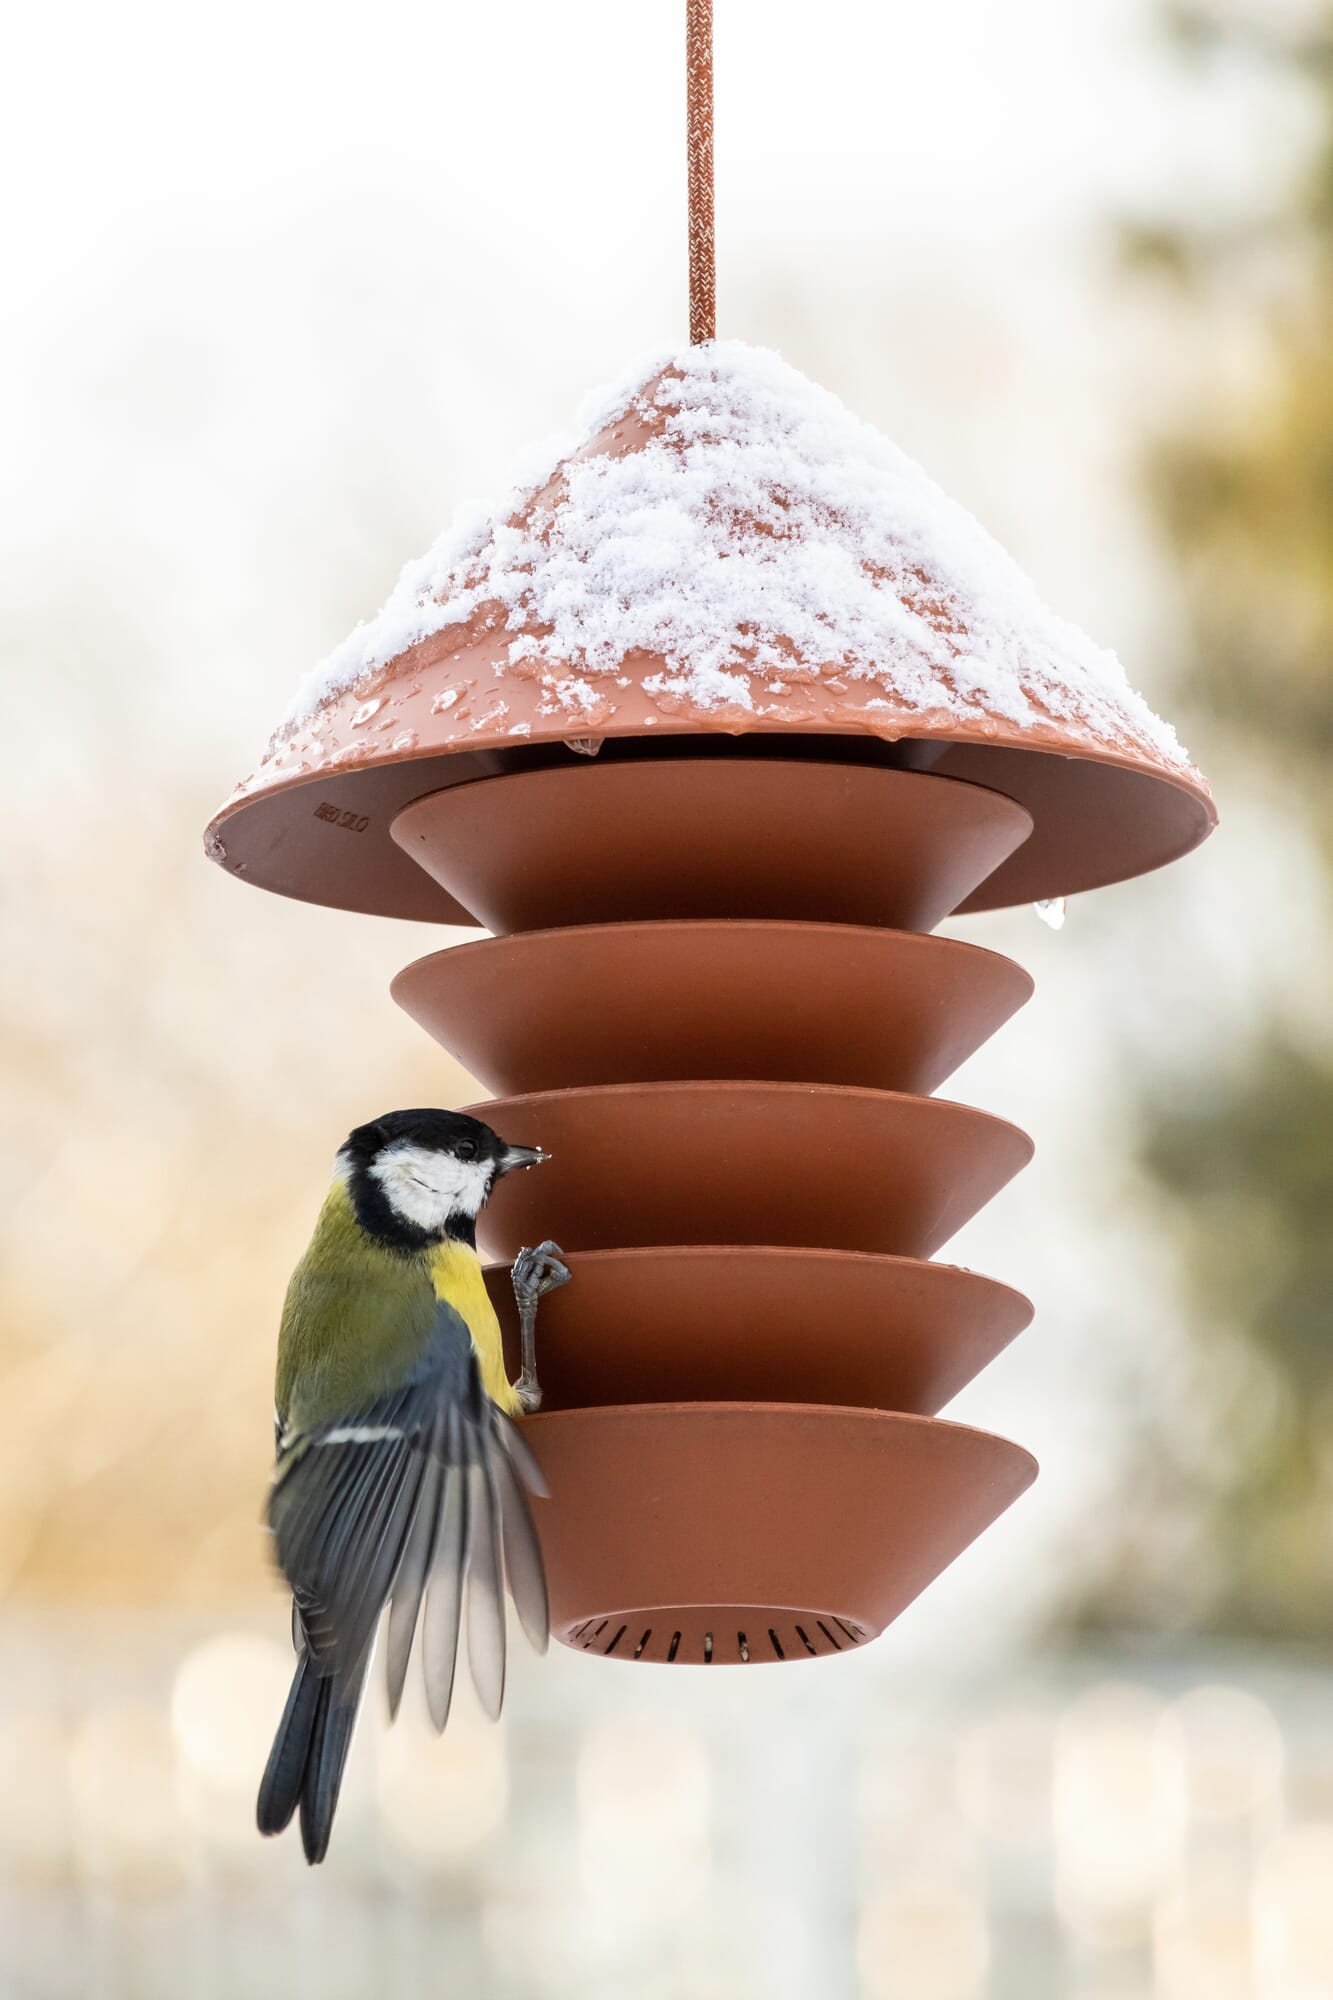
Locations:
{"points": [[1236, 1537]]}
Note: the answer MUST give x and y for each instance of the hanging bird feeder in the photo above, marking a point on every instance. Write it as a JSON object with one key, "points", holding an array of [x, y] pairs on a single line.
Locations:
{"points": [[710, 729]]}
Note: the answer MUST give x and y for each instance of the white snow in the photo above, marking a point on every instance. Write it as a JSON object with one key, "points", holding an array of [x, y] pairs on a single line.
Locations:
{"points": [[765, 538], [706, 686]]}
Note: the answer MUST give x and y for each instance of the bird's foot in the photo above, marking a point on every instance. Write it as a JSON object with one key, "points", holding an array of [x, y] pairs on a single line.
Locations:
{"points": [[535, 1273]]}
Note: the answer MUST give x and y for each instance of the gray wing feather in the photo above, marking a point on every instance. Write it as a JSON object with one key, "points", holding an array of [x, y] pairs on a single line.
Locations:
{"points": [[367, 1563], [410, 1584], [418, 1498], [525, 1572], [341, 1548], [444, 1601], [485, 1589], [518, 1451]]}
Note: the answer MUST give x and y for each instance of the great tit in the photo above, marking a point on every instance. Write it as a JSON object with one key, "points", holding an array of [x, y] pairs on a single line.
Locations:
{"points": [[400, 1476]]}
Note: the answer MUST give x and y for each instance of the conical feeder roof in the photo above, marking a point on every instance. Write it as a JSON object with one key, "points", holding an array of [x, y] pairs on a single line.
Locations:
{"points": [[723, 552]]}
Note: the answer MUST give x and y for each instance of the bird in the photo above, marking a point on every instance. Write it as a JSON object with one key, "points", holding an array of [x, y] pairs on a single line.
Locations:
{"points": [[400, 1476]]}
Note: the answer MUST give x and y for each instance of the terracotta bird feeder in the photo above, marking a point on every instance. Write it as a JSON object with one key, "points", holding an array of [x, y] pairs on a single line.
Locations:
{"points": [[710, 728]]}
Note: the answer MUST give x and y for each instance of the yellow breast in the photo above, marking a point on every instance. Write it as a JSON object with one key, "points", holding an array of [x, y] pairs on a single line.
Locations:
{"points": [[456, 1274]]}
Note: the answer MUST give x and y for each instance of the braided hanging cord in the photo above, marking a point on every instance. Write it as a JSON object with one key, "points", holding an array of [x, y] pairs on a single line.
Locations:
{"points": [[699, 117]]}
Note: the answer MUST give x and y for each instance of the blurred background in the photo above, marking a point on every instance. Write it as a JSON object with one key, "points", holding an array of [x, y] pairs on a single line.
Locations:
{"points": [[285, 286]]}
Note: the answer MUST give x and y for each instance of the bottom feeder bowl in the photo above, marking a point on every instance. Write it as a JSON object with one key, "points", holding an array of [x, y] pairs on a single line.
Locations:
{"points": [[734, 1533]]}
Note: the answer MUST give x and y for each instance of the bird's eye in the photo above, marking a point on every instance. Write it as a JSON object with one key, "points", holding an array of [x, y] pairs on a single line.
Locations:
{"points": [[466, 1149]]}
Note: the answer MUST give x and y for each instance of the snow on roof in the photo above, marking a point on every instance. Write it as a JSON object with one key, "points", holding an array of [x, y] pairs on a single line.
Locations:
{"points": [[753, 532]]}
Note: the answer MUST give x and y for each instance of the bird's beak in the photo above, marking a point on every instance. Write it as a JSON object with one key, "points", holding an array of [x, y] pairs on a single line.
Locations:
{"points": [[521, 1156]]}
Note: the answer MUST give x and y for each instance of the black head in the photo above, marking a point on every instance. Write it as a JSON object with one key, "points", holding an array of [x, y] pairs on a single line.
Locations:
{"points": [[416, 1177]]}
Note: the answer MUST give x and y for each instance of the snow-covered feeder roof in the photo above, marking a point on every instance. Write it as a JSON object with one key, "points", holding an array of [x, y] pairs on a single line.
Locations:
{"points": [[724, 550]]}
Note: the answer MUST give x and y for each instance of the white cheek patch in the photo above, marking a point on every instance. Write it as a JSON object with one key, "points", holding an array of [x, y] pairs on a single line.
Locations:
{"points": [[427, 1188]]}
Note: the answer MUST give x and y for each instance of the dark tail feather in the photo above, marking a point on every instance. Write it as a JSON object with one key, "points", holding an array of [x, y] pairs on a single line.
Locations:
{"points": [[330, 1741], [305, 1765], [284, 1776]]}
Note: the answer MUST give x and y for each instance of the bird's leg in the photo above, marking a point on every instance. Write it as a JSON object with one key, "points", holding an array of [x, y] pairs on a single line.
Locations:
{"points": [[535, 1273]]}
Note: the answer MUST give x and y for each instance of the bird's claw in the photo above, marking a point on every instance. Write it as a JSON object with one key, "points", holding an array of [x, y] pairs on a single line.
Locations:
{"points": [[537, 1272]]}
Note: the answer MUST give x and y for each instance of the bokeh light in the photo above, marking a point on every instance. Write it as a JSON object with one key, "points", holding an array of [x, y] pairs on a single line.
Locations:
{"points": [[644, 1805], [36, 1819], [1228, 1747], [1005, 1776], [442, 1799], [129, 1829], [225, 1702], [1203, 1941], [1119, 1813], [927, 1938], [1293, 1914]]}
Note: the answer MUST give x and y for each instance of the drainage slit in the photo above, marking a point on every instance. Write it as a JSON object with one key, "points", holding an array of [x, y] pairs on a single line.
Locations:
{"points": [[579, 1630], [777, 1643], [601, 1628], [744, 1648], [638, 1650], [616, 1641], [836, 1644], [850, 1630], [804, 1641], [708, 1648], [673, 1648]]}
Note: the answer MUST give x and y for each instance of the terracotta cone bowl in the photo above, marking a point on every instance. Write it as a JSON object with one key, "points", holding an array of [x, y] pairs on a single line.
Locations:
{"points": [[725, 1533], [780, 1163], [733, 1323], [592, 843], [651, 1002]]}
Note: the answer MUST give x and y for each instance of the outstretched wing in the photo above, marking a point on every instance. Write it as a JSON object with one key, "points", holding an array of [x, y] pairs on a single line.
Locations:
{"points": [[419, 1498]]}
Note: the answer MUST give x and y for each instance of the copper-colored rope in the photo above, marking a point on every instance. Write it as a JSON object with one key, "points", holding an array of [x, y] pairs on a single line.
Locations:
{"points": [[699, 114]]}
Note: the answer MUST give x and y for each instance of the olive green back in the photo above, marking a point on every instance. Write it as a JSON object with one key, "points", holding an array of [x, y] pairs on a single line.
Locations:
{"points": [[355, 1321]]}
